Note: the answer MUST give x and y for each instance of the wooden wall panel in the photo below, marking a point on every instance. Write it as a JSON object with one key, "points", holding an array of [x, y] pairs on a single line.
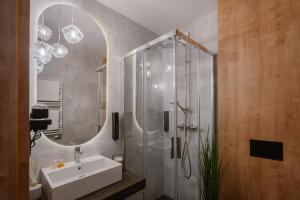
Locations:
{"points": [[14, 99], [259, 96]]}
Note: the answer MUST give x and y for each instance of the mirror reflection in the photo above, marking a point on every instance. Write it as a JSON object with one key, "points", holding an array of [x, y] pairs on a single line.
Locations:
{"points": [[73, 76]]}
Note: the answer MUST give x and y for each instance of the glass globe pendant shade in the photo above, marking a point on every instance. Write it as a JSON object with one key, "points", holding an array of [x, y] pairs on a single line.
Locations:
{"points": [[42, 52], [59, 50], [44, 32], [72, 34]]}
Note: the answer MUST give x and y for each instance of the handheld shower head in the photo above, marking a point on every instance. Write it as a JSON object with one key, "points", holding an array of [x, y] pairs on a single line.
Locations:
{"points": [[184, 110], [181, 108]]}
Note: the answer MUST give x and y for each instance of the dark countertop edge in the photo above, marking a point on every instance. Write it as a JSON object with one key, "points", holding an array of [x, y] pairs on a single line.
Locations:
{"points": [[130, 184], [130, 190]]}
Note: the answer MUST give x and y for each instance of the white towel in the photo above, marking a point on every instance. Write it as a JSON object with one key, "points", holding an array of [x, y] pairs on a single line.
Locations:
{"points": [[54, 116]]}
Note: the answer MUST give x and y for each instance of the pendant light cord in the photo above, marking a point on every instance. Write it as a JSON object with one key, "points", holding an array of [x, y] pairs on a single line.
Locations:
{"points": [[59, 24], [43, 18], [72, 15], [43, 21]]}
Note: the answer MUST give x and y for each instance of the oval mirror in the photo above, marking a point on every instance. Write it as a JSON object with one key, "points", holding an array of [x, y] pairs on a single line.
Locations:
{"points": [[73, 82]]}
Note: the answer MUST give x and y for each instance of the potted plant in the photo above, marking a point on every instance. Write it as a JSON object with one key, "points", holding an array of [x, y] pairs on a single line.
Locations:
{"points": [[210, 168]]}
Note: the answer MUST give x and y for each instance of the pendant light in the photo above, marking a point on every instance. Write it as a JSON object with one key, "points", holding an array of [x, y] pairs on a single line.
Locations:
{"points": [[40, 50], [59, 50], [72, 33], [44, 32]]}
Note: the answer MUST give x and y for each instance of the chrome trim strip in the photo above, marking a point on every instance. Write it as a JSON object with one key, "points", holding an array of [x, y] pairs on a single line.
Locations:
{"points": [[151, 43]]}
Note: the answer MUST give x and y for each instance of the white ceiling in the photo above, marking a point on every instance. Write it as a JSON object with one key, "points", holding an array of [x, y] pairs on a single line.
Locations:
{"points": [[161, 16]]}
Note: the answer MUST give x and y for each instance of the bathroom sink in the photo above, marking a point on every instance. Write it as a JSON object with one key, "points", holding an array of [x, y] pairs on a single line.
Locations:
{"points": [[78, 179]]}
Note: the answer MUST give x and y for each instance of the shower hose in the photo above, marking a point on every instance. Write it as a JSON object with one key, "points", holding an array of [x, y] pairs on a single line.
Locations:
{"points": [[187, 173]]}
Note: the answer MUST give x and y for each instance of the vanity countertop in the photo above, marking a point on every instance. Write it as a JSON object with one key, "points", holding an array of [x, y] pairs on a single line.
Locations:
{"points": [[130, 184]]}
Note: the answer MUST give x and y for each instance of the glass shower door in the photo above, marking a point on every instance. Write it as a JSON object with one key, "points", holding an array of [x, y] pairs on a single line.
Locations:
{"points": [[160, 120], [133, 116]]}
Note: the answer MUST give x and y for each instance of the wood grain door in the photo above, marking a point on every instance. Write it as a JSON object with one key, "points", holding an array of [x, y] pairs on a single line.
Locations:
{"points": [[14, 99], [259, 96]]}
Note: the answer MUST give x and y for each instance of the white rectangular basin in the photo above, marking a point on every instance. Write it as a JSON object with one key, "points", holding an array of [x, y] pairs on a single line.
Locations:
{"points": [[75, 180]]}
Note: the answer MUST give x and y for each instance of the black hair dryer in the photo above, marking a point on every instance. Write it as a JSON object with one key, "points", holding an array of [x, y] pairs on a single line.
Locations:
{"points": [[38, 121]]}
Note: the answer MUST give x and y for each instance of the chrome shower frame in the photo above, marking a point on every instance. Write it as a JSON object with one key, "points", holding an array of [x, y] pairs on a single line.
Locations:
{"points": [[174, 33], [183, 38]]}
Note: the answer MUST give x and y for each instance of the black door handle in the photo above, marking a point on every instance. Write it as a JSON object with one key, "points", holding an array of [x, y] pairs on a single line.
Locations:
{"points": [[166, 121]]}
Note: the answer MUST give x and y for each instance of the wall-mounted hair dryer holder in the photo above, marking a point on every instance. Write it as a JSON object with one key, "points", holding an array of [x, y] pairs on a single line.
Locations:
{"points": [[38, 122]]}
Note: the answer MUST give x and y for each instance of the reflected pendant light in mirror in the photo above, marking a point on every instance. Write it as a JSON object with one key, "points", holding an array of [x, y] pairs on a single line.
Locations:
{"points": [[59, 50], [42, 52], [71, 32], [44, 32]]}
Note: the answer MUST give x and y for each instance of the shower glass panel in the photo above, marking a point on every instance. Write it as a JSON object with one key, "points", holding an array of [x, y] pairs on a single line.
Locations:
{"points": [[194, 85], [133, 112], [159, 113], [168, 106], [187, 84]]}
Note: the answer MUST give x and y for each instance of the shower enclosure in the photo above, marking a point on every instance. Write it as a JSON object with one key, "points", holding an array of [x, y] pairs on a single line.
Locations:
{"points": [[168, 108]]}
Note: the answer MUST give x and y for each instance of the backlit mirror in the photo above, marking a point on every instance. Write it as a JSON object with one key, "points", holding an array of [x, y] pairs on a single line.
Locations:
{"points": [[73, 82]]}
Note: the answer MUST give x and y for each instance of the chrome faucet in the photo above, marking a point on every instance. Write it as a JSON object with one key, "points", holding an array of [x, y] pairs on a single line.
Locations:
{"points": [[77, 154]]}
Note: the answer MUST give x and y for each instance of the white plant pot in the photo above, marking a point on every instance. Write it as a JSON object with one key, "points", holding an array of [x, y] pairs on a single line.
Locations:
{"points": [[35, 192]]}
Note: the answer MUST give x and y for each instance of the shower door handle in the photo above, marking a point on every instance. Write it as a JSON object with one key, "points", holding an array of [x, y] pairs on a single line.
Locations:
{"points": [[178, 148], [166, 121], [172, 148], [178, 145]]}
